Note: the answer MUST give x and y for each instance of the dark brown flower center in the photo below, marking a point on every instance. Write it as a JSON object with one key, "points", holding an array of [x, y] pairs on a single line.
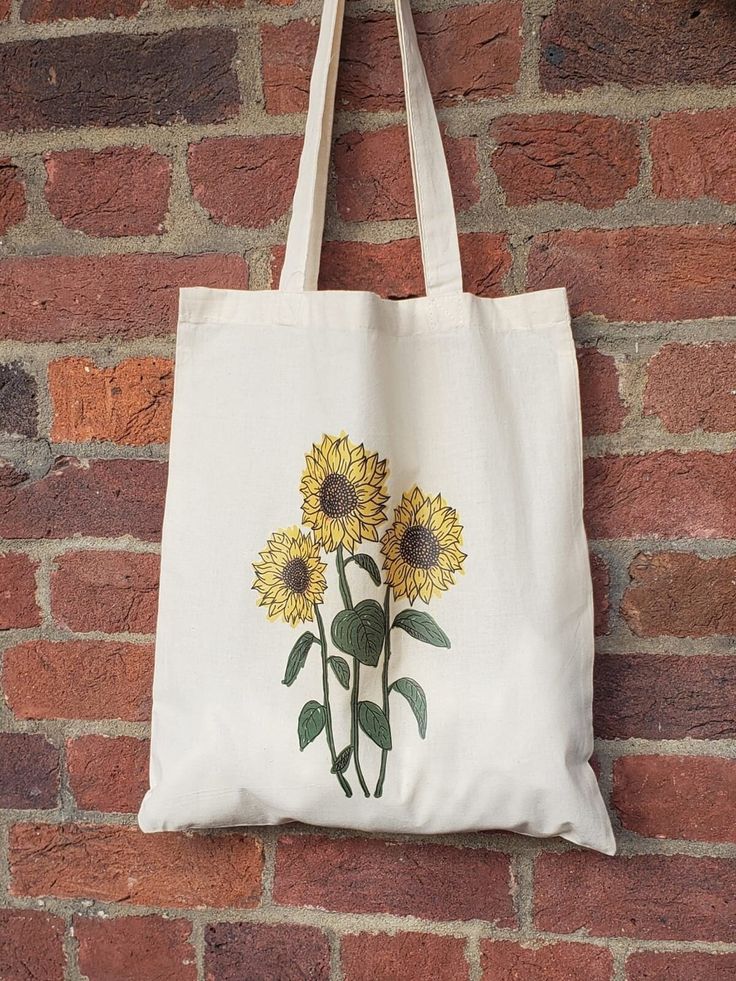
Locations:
{"points": [[296, 575], [419, 547], [337, 496]]}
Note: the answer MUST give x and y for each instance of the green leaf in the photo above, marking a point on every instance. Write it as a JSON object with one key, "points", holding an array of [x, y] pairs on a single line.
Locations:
{"points": [[342, 672], [359, 632], [366, 562], [374, 724], [414, 694], [311, 723], [342, 760], [422, 627], [298, 657]]}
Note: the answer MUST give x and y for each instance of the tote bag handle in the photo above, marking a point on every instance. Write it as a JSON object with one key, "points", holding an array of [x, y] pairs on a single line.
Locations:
{"points": [[435, 210]]}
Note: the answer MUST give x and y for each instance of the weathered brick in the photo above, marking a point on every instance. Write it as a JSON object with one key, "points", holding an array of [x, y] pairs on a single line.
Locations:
{"points": [[588, 160], [602, 406], [664, 696], [601, 602], [470, 53], [650, 897], [118, 191], [12, 194], [374, 174], [394, 269], [79, 680], [245, 180], [640, 274], [674, 495], [29, 771], [678, 594], [127, 80], [121, 864], [18, 409], [127, 403], [59, 298], [108, 774], [693, 386], [135, 948], [694, 155], [409, 956], [371, 876], [31, 946], [38, 11], [18, 606], [651, 965], [589, 42], [688, 797], [503, 960], [262, 952], [116, 592], [89, 497]]}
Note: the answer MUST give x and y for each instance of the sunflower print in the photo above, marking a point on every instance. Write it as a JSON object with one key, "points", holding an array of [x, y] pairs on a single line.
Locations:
{"points": [[290, 576], [422, 547], [344, 491]]}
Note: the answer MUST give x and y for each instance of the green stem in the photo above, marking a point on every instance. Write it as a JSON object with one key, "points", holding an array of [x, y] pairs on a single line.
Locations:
{"points": [[384, 681], [328, 711], [354, 698]]}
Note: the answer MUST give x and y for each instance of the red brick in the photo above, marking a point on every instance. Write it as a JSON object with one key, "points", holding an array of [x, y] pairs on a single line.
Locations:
{"points": [[652, 965], [31, 946], [108, 774], [602, 406], [591, 42], [18, 402], [588, 160], [116, 592], [394, 269], [118, 191], [667, 494], [39, 11], [663, 696], [374, 174], [61, 298], [245, 180], [135, 948], [678, 594], [5, 9], [470, 52], [640, 274], [12, 195], [693, 155], [686, 797], [371, 876], [650, 897], [81, 679], [127, 80], [89, 497], [503, 960], [409, 956], [128, 403], [18, 606], [121, 864], [601, 602], [692, 386], [261, 952], [29, 771]]}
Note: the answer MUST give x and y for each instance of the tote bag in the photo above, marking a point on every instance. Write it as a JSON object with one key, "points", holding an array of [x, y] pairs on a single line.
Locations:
{"points": [[375, 602]]}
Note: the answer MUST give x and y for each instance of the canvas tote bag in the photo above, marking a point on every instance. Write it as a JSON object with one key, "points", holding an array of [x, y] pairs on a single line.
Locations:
{"points": [[375, 603]]}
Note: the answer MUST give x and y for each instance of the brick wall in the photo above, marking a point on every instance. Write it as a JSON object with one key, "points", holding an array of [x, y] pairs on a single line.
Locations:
{"points": [[152, 145]]}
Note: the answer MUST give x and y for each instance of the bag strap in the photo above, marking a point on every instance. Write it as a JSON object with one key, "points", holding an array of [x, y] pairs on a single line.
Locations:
{"points": [[432, 192]]}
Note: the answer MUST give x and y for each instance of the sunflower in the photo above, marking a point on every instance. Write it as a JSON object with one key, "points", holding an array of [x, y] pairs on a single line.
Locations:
{"points": [[422, 547], [290, 577], [344, 492]]}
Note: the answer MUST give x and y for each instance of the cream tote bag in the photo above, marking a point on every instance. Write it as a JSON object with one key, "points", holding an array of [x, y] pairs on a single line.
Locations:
{"points": [[376, 606]]}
